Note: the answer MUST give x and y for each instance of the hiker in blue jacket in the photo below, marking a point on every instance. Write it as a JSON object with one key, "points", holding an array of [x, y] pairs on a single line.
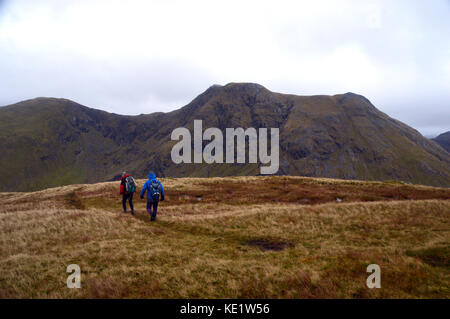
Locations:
{"points": [[154, 190]]}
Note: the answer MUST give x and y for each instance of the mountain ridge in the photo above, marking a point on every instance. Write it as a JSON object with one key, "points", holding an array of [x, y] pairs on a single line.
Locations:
{"points": [[443, 140], [52, 142]]}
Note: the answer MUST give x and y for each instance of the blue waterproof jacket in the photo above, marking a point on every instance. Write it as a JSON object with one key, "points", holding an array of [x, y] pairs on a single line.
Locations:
{"points": [[151, 177]]}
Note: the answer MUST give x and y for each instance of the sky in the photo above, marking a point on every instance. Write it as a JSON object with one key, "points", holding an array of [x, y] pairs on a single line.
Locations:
{"points": [[133, 57]]}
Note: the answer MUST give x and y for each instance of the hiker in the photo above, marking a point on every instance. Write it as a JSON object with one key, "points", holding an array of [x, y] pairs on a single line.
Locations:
{"points": [[127, 188], [154, 190]]}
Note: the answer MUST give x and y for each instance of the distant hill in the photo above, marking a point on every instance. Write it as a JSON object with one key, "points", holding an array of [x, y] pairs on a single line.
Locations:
{"points": [[49, 142], [443, 140]]}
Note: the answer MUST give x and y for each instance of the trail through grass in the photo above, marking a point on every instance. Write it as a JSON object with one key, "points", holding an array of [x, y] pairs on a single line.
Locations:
{"points": [[248, 237]]}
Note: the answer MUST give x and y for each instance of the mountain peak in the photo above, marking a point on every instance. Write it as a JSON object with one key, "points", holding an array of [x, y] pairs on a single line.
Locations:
{"points": [[245, 87], [236, 87], [54, 142]]}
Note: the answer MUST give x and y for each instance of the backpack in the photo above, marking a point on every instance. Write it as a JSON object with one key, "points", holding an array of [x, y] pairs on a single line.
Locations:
{"points": [[154, 190], [130, 184]]}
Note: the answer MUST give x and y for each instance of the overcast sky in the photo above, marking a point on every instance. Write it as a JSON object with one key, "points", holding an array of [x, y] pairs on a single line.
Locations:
{"points": [[132, 57]]}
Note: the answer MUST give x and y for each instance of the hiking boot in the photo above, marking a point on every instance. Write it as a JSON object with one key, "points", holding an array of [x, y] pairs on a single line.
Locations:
{"points": [[132, 212]]}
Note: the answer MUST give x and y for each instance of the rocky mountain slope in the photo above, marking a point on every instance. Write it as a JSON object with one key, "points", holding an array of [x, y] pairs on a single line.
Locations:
{"points": [[49, 142], [443, 140]]}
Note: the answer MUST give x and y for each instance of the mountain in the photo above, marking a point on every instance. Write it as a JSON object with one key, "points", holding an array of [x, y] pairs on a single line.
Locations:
{"points": [[443, 140], [49, 142]]}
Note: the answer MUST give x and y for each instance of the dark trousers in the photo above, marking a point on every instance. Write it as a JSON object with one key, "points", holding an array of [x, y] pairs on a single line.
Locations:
{"points": [[152, 204], [128, 197]]}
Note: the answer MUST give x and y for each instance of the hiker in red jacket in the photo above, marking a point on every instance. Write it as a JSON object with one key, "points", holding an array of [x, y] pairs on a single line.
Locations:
{"points": [[125, 194]]}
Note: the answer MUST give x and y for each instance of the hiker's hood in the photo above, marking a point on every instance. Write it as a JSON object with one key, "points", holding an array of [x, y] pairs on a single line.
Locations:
{"points": [[151, 176]]}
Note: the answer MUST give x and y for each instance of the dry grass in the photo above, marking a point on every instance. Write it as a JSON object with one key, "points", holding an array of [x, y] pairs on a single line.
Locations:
{"points": [[247, 237]]}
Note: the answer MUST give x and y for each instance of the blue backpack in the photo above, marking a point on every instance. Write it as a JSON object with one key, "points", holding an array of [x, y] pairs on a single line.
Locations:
{"points": [[155, 190]]}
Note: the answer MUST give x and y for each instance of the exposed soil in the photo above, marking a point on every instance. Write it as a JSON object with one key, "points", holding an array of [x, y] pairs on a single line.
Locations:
{"points": [[266, 244]]}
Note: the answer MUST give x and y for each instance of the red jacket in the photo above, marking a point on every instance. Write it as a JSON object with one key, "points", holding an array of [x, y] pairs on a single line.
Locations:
{"points": [[122, 184]]}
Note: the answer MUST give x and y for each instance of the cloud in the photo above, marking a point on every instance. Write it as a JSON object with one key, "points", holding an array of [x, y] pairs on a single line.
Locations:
{"points": [[145, 56]]}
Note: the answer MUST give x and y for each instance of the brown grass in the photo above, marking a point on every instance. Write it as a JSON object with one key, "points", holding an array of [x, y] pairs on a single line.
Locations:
{"points": [[247, 237]]}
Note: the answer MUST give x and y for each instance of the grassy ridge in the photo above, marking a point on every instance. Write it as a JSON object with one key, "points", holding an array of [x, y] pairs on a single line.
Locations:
{"points": [[247, 237]]}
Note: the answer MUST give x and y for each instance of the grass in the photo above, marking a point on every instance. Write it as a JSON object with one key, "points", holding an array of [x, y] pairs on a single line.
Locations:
{"points": [[241, 237], [434, 256]]}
